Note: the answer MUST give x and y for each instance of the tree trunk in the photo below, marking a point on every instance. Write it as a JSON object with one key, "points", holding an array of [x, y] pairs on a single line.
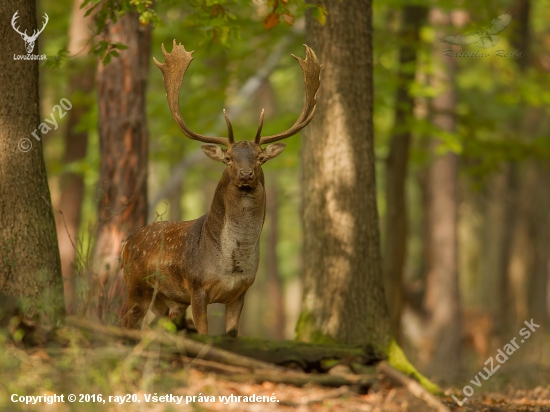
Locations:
{"points": [[522, 243], [175, 212], [537, 290], [442, 300], [274, 283], [343, 297], [81, 83], [123, 144], [29, 257], [396, 167]]}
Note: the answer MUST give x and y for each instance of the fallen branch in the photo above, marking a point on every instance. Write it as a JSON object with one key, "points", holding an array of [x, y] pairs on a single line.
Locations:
{"points": [[308, 356], [300, 379], [178, 344], [412, 386]]}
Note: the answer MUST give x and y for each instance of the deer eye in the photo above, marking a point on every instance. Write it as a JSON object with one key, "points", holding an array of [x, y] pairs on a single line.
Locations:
{"points": [[262, 159], [227, 159]]}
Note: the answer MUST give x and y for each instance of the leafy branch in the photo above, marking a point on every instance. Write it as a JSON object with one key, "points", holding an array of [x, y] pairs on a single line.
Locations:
{"points": [[108, 12]]}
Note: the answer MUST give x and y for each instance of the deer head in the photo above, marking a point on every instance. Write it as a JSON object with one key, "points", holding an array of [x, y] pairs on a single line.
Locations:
{"points": [[29, 40], [245, 158]]}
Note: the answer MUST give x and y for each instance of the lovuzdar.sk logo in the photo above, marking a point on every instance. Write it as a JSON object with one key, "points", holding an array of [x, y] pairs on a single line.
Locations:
{"points": [[29, 40]]}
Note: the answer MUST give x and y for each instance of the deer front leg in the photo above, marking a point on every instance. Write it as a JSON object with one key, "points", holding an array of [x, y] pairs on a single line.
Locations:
{"points": [[199, 308], [232, 316]]}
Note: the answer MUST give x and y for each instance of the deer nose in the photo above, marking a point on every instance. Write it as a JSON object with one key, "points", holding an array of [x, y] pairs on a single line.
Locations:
{"points": [[246, 174]]}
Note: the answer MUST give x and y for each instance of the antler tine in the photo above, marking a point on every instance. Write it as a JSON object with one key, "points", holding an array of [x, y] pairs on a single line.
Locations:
{"points": [[43, 25], [229, 128], [311, 69], [13, 19], [173, 69], [260, 125]]}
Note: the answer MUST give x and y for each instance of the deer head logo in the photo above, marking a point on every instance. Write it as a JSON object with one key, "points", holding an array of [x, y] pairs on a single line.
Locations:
{"points": [[29, 40]]}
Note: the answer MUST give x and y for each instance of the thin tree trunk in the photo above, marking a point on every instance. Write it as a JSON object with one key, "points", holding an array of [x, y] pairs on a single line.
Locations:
{"points": [[442, 300], [274, 283], [396, 167], [123, 144], [518, 260], [81, 83], [343, 297], [537, 290], [29, 256], [174, 198]]}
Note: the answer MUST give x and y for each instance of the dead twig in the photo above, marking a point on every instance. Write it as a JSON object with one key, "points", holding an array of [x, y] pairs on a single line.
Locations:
{"points": [[330, 394], [412, 386]]}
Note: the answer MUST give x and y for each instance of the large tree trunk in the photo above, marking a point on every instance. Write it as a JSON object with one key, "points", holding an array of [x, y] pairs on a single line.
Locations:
{"points": [[395, 244], [81, 83], [123, 144], [442, 300], [343, 297], [29, 257]]}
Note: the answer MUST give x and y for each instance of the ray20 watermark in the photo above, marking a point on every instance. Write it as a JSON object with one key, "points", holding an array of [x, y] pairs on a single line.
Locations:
{"points": [[62, 108], [501, 357]]}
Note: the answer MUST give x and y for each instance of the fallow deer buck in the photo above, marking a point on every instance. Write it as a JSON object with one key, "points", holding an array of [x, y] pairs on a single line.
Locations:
{"points": [[214, 258]]}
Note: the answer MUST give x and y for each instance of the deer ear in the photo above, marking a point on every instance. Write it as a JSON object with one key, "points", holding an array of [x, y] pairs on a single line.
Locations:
{"points": [[213, 152], [274, 150]]}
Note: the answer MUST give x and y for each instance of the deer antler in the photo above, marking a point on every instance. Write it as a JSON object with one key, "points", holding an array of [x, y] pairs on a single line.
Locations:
{"points": [[312, 69], [36, 34], [15, 17], [173, 69]]}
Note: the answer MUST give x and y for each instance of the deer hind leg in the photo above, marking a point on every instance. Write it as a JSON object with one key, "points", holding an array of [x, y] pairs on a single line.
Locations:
{"points": [[176, 313], [199, 305], [137, 304], [136, 312], [232, 316]]}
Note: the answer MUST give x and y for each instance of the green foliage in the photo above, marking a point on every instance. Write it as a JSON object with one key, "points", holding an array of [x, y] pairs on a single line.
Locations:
{"points": [[491, 93], [55, 61], [108, 12]]}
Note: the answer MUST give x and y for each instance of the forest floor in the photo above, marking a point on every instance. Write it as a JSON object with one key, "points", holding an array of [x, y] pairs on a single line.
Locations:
{"points": [[129, 377]]}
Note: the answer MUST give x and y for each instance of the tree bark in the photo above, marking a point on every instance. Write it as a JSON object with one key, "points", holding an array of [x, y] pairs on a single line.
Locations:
{"points": [[274, 282], [29, 257], [442, 299], [122, 206], [395, 243], [81, 83], [343, 297]]}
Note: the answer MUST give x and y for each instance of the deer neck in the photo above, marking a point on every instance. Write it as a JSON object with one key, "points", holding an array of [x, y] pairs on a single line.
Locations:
{"points": [[236, 216]]}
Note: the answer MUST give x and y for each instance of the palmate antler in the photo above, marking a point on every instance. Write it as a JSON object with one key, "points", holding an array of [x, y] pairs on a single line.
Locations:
{"points": [[312, 70], [174, 68]]}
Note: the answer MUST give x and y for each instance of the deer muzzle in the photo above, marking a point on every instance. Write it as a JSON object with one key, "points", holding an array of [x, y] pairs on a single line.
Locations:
{"points": [[246, 177]]}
